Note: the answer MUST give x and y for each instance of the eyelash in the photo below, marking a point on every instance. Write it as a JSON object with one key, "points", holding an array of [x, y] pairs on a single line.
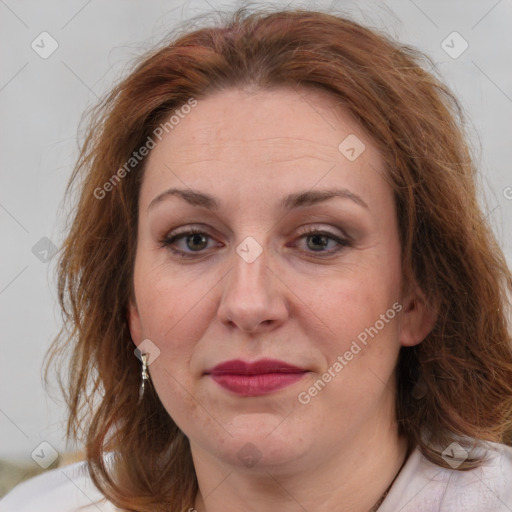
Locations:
{"points": [[172, 238]]}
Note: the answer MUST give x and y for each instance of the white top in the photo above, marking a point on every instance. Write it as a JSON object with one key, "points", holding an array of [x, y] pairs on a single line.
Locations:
{"points": [[420, 487]]}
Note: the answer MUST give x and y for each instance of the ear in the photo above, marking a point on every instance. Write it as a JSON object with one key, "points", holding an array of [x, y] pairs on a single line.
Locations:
{"points": [[134, 322], [417, 319]]}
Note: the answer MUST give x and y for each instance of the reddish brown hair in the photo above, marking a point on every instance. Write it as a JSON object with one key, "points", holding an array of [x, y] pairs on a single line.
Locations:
{"points": [[461, 373]]}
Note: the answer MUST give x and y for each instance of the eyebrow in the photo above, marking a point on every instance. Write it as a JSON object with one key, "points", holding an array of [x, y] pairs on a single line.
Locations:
{"points": [[291, 201]]}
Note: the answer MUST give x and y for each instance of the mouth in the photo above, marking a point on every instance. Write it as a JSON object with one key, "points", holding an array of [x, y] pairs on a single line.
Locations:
{"points": [[255, 378]]}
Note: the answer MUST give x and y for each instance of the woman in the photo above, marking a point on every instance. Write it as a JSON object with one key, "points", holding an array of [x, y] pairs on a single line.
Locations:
{"points": [[279, 215]]}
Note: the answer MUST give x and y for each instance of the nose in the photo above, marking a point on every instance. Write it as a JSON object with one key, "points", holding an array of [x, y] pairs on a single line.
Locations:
{"points": [[253, 298]]}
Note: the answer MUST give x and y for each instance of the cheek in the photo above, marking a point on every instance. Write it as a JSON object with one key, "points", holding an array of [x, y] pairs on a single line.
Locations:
{"points": [[173, 316], [174, 319], [359, 344], [172, 305], [347, 301], [352, 316], [176, 392]]}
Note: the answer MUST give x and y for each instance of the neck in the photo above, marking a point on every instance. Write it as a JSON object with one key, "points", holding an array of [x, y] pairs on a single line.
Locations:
{"points": [[352, 478]]}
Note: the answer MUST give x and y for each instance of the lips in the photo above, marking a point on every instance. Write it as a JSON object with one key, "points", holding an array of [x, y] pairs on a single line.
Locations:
{"points": [[255, 378]]}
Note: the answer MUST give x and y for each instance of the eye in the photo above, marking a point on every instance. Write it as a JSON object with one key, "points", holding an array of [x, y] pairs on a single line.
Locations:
{"points": [[195, 241], [317, 240]]}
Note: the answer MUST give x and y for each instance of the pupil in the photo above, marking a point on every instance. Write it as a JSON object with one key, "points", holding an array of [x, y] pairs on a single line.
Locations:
{"points": [[316, 237], [202, 239]]}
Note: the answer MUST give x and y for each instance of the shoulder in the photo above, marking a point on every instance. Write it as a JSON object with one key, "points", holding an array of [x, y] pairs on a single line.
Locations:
{"points": [[423, 486], [65, 489]]}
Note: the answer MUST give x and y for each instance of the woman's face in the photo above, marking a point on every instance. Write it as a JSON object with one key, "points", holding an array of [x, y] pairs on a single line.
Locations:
{"points": [[255, 175]]}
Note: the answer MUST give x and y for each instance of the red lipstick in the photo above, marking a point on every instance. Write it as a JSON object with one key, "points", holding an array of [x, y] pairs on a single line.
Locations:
{"points": [[256, 378]]}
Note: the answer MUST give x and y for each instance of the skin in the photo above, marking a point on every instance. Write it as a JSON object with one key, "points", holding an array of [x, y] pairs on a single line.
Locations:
{"points": [[249, 149]]}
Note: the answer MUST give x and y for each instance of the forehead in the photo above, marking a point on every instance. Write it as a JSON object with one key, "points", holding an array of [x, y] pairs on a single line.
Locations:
{"points": [[283, 137], [265, 119]]}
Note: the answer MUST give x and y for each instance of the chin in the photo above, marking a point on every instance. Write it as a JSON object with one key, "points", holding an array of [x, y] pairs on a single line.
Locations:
{"points": [[261, 441]]}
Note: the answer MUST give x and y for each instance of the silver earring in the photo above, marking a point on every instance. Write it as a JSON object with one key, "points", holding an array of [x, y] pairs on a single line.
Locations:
{"points": [[145, 374]]}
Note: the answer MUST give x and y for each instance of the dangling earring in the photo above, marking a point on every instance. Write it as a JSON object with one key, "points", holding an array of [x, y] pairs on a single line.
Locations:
{"points": [[145, 374]]}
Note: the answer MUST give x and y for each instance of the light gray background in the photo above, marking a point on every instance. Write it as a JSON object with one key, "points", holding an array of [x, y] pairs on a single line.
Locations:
{"points": [[42, 100]]}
